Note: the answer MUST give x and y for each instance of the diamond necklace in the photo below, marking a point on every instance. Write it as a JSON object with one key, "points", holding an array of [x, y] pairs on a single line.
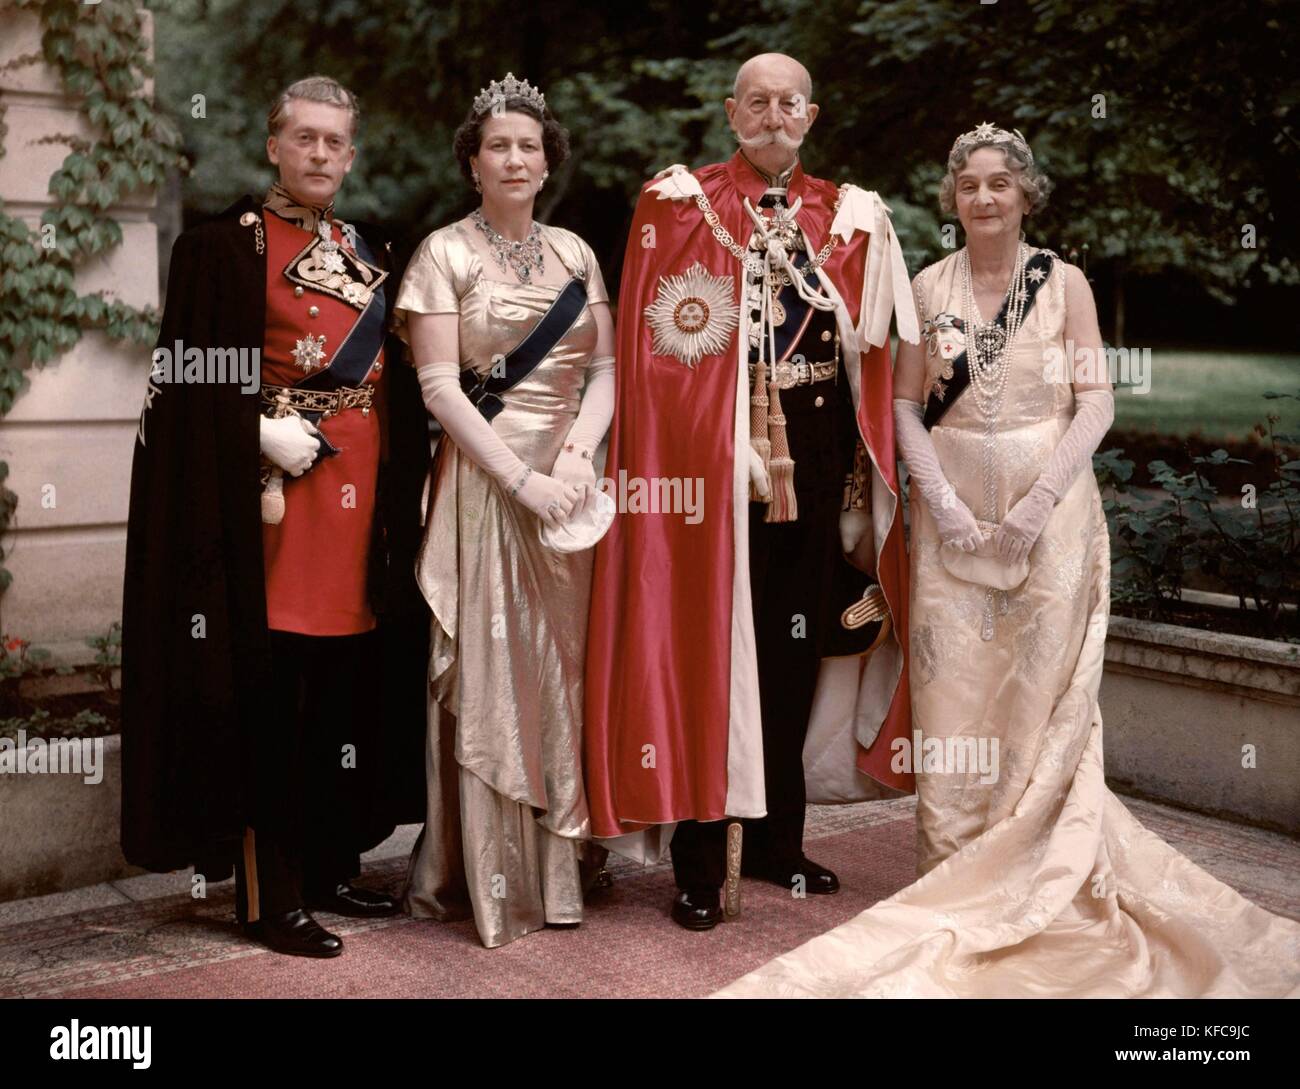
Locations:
{"points": [[523, 256]]}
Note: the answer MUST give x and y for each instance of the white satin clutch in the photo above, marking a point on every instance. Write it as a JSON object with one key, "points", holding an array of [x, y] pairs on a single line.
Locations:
{"points": [[583, 530], [984, 566]]}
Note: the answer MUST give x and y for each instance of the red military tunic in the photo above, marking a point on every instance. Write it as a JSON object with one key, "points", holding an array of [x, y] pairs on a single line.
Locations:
{"points": [[317, 557]]}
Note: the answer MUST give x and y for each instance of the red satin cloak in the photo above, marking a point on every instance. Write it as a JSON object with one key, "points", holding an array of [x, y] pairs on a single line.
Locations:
{"points": [[659, 642]]}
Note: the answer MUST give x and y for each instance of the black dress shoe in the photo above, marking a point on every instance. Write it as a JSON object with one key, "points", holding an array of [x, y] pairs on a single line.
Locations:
{"points": [[817, 880], [698, 910], [296, 934], [345, 899]]}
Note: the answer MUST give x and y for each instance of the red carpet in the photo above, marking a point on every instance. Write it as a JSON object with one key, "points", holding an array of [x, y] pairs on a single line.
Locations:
{"points": [[626, 947], [175, 947]]}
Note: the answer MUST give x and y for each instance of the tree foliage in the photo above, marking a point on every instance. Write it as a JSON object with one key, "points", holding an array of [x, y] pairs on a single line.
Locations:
{"points": [[1193, 142]]}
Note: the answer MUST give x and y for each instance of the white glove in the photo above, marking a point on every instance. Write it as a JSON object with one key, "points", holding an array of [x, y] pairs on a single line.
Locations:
{"points": [[853, 525], [443, 397], [956, 524], [289, 442], [1094, 411], [550, 499], [758, 476], [573, 469], [594, 415]]}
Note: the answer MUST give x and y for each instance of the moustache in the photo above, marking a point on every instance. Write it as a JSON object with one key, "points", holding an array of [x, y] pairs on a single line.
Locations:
{"points": [[765, 139]]}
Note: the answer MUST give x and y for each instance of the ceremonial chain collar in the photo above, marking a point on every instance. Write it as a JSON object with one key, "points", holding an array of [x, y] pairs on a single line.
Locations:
{"points": [[523, 256], [752, 262], [288, 207]]}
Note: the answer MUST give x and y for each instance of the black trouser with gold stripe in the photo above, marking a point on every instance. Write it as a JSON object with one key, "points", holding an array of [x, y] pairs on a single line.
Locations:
{"points": [[790, 574], [311, 768]]}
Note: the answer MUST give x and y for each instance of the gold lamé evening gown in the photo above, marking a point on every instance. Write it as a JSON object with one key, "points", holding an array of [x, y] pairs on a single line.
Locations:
{"points": [[1039, 883], [507, 813]]}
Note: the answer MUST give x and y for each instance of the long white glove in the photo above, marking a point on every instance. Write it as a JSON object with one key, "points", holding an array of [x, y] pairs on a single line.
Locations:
{"points": [[597, 409], [550, 499], [289, 442], [957, 526], [1094, 411], [758, 475], [853, 527]]}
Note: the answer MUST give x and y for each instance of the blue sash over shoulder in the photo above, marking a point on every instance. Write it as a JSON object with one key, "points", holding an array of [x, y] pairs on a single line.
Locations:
{"points": [[485, 393], [936, 405]]}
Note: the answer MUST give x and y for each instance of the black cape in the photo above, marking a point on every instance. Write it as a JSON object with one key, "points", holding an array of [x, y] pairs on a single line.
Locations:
{"points": [[190, 705]]}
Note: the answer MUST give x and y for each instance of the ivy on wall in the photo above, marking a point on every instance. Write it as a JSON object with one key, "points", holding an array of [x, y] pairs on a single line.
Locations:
{"points": [[101, 54]]}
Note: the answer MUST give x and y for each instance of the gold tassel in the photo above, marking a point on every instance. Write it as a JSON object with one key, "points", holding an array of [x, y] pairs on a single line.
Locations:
{"points": [[783, 507], [758, 437], [273, 499]]}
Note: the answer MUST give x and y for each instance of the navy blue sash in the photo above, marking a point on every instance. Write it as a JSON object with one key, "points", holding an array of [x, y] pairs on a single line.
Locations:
{"points": [[485, 393], [956, 386], [356, 355]]}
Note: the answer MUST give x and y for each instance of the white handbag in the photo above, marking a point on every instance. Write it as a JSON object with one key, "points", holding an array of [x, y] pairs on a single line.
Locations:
{"points": [[984, 566], [583, 530]]}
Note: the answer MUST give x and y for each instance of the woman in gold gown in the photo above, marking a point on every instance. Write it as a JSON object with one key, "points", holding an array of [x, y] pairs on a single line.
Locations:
{"points": [[507, 814], [1035, 879]]}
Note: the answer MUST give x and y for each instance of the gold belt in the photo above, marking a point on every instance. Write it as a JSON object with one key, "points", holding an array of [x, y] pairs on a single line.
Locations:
{"points": [[327, 403], [786, 374]]}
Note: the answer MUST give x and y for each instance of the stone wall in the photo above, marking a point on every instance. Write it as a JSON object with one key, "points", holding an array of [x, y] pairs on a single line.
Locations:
{"points": [[68, 439], [1204, 720]]}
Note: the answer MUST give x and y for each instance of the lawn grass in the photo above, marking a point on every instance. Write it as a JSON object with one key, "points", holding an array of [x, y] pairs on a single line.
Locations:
{"points": [[1218, 393]]}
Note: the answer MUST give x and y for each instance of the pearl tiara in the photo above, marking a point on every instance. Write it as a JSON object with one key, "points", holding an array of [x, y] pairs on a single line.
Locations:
{"points": [[507, 89], [987, 133]]}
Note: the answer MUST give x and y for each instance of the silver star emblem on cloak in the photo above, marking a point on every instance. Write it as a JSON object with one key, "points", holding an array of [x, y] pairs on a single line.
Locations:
{"points": [[1036, 274], [309, 352]]}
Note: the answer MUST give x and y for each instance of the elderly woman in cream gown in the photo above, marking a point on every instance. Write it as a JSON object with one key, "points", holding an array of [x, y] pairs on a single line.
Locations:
{"points": [[507, 824], [1035, 881]]}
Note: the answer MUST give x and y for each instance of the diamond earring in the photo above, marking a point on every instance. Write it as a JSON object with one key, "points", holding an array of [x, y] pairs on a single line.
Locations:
{"points": [[478, 185], [545, 174]]}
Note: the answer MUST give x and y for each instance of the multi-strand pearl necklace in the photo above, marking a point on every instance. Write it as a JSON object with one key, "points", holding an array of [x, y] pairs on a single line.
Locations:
{"points": [[988, 358], [988, 345]]}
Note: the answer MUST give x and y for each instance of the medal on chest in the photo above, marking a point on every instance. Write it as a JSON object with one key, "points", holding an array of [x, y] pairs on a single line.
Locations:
{"points": [[309, 352], [778, 231]]}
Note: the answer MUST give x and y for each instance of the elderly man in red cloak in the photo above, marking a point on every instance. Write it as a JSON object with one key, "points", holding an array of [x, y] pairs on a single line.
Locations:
{"points": [[762, 635]]}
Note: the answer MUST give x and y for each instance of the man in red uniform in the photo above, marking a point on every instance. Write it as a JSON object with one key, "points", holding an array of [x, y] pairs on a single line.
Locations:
{"points": [[753, 359], [254, 624]]}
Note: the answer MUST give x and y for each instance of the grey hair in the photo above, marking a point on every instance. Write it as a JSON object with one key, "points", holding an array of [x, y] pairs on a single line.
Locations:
{"points": [[1033, 182], [314, 89]]}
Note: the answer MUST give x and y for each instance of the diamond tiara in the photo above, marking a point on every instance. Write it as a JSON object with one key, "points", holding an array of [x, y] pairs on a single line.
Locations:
{"points": [[987, 133], [507, 89]]}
